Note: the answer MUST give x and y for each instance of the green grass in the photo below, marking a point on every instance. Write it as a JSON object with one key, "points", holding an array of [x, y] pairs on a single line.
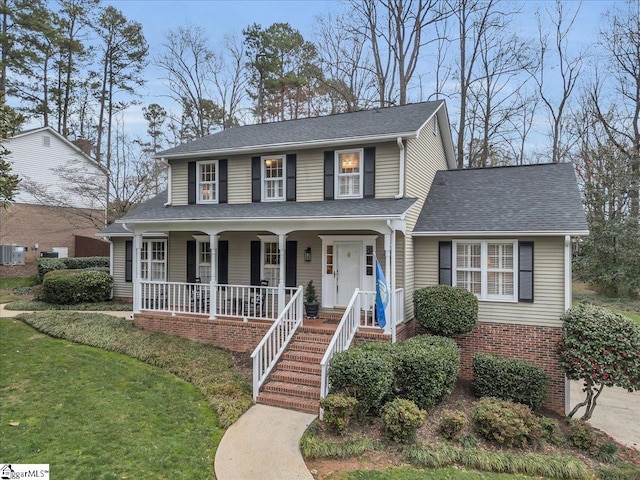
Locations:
{"points": [[37, 306], [209, 368], [628, 307], [93, 414], [409, 473], [18, 282]]}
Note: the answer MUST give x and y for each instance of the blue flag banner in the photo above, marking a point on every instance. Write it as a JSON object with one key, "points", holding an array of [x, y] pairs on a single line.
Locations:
{"points": [[382, 295]]}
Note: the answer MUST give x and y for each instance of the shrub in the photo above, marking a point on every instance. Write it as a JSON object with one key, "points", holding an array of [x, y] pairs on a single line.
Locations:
{"points": [[514, 380], [452, 424], [607, 452], [46, 265], [601, 348], [626, 472], [80, 263], [401, 419], [445, 310], [581, 435], [425, 369], [68, 287], [506, 423], [364, 372], [338, 409], [551, 431]]}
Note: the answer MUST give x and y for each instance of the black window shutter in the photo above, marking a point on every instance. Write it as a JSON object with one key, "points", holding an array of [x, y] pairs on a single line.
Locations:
{"points": [[192, 182], [222, 181], [128, 261], [291, 178], [256, 179], [369, 184], [445, 251], [525, 272], [192, 255], [291, 266], [255, 262], [223, 262], [329, 167]]}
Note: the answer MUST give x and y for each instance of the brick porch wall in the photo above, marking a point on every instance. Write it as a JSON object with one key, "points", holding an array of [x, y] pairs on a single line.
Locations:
{"points": [[534, 344]]}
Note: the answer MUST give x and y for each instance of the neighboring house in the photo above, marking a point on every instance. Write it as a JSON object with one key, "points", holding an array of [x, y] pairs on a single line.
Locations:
{"points": [[253, 212], [59, 195]]}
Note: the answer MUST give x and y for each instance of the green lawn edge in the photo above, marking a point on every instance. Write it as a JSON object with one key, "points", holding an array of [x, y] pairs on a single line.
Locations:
{"points": [[209, 368]]}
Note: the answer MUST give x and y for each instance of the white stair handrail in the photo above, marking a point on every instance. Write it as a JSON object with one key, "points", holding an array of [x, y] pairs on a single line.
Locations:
{"points": [[341, 339], [275, 341]]}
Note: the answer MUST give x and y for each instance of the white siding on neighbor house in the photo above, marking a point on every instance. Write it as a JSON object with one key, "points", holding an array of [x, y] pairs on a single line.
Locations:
{"points": [[49, 168], [548, 305], [121, 288]]}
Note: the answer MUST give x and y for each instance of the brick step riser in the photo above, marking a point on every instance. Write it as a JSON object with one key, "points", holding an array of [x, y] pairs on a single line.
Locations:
{"points": [[313, 338], [296, 378], [275, 400], [302, 367], [304, 357], [292, 390], [307, 347]]}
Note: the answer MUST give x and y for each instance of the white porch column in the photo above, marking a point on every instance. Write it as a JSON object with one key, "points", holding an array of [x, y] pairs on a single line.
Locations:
{"points": [[392, 287], [213, 282], [282, 238], [388, 274], [137, 286]]}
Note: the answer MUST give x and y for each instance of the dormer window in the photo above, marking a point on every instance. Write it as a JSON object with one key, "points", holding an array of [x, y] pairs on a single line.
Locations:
{"points": [[207, 181], [349, 176], [273, 174]]}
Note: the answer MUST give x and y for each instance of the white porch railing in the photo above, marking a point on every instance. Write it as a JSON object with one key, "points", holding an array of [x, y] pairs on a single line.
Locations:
{"points": [[342, 338], [270, 348], [240, 301]]}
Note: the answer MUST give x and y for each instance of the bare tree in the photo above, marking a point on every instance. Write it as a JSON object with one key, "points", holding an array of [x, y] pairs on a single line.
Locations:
{"points": [[397, 31], [615, 97], [230, 80], [567, 66]]}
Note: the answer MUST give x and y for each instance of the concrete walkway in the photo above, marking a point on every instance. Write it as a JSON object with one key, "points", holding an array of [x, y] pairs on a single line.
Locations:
{"points": [[264, 445], [14, 313], [617, 413]]}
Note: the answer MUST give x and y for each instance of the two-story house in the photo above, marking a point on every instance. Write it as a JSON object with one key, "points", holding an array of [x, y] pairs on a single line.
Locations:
{"points": [[252, 213], [61, 194]]}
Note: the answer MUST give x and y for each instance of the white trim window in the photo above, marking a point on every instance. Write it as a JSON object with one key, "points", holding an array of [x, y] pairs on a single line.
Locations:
{"points": [[487, 268], [204, 262], [153, 260], [273, 174], [349, 177], [207, 178], [270, 260]]}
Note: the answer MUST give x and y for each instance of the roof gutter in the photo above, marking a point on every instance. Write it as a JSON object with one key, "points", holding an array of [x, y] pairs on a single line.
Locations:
{"points": [[401, 174], [293, 145]]}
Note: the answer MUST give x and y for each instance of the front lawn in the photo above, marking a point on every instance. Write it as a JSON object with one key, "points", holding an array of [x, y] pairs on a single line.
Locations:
{"points": [[95, 414], [37, 306]]}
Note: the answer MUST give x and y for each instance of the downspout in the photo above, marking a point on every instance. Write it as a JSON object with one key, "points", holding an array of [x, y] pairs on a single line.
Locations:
{"points": [[567, 306], [166, 162], [401, 170]]}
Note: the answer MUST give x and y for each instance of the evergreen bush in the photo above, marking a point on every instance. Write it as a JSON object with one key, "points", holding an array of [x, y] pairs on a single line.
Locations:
{"points": [[68, 287], [401, 419], [506, 423], [338, 409], [445, 310]]}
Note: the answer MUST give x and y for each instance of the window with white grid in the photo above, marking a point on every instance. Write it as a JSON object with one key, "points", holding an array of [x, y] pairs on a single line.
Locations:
{"points": [[273, 178], [204, 262], [349, 173], [208, 181], [153, 260], [486, 268], [271, 265]]}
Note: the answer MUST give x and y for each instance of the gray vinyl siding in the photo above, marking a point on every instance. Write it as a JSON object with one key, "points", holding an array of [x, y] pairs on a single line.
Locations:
{"points": [[310, 176], [548, 302], [179, 182], [121, 288], [387, 170], [177, 254], [239, 179]]}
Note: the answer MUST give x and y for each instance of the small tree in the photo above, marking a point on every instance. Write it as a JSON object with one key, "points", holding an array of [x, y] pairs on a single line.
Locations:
{"points": [[602, 349]]}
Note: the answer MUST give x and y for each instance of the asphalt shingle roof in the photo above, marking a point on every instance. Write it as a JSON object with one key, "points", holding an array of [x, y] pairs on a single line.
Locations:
{"points": [[531, 198], [154, 210], [384, 121]]}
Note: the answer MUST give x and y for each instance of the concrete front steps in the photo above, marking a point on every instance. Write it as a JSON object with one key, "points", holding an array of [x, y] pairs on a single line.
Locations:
{"points": [[294, 383]]}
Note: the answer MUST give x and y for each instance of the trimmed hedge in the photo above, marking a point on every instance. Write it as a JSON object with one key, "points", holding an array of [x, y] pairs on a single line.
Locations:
{"points": [[425, 369], [506, 423], [507, 379], [445, 310], [67, 287], [364, 372], [46, 265]]}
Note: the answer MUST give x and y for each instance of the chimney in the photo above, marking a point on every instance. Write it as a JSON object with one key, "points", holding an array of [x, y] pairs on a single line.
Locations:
{"points": [[83, 144]]}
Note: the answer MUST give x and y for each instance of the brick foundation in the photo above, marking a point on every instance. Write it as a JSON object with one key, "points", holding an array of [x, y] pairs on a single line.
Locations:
{"points": [[534, 344]]}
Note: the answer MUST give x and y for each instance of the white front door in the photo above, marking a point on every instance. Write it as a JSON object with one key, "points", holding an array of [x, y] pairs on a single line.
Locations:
{"points": [[348, 268]]}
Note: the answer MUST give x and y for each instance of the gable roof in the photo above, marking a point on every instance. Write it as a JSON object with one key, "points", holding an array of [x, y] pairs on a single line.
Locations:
{"points": [[532, 199], [63, 139], [379, 124]]}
